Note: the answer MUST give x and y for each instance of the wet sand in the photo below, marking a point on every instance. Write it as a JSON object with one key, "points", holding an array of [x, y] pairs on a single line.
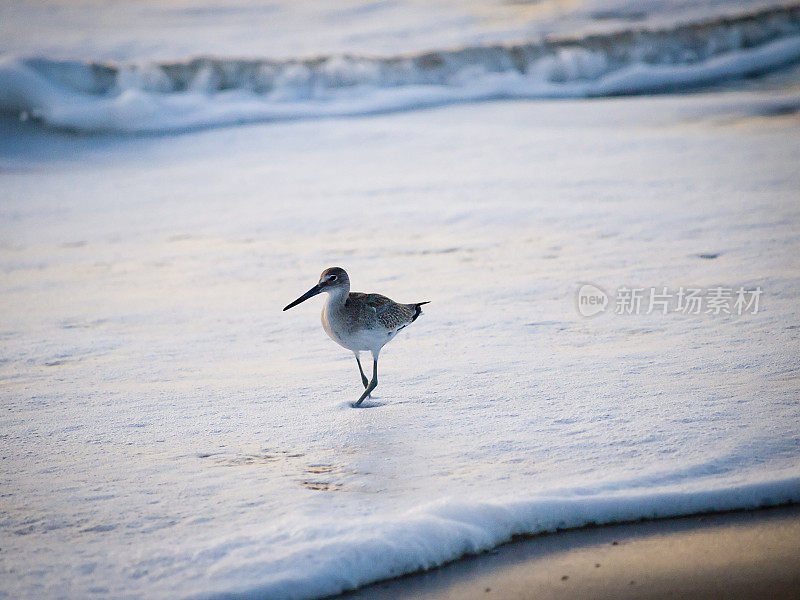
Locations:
{"points": [[739, 555]]}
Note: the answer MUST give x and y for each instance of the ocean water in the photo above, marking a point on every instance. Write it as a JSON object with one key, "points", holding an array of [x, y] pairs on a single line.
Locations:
{"points": [[139, 94], [168, 432]]}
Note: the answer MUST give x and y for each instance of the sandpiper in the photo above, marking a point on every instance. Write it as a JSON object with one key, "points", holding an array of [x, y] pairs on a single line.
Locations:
{"points": [[359, 321]]}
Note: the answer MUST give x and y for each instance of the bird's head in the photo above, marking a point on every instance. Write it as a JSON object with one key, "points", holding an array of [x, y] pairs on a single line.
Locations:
{"points": [[333, 280]]}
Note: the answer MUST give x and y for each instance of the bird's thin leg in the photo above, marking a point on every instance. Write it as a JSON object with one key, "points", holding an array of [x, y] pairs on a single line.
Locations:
{"points": [[364, 379], [372, 384]]}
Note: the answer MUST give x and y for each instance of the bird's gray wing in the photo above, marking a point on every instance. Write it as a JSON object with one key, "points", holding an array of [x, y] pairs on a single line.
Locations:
{"points": [[389, 313]]}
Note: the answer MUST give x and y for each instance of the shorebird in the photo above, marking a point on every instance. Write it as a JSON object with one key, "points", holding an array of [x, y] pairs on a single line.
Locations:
{"points": [[359, 322]]}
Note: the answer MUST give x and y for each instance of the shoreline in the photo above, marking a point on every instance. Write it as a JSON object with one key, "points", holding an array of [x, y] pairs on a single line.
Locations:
{"points": [[739, 554]]}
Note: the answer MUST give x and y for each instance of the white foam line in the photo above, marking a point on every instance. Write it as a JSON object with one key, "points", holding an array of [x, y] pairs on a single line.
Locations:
{"points": [[641, 78], [26, 91], [439, 533]]}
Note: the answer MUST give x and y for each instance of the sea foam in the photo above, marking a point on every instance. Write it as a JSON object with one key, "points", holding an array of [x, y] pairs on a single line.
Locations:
{"points": [[207, 92], [429, 536]]}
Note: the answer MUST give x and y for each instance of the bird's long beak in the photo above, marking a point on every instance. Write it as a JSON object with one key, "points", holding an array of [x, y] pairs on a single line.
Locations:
{"points": [[312, 292]]}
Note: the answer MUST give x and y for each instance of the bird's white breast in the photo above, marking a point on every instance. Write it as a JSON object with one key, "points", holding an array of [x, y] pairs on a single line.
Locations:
{"points": [[355, 339]]}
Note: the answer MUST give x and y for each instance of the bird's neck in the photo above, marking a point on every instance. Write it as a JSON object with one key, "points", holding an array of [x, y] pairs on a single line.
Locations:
{"points": [[337, 296]]}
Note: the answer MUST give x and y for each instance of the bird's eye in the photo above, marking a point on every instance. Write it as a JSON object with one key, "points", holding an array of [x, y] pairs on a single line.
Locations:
{"points": [[333, 278]]}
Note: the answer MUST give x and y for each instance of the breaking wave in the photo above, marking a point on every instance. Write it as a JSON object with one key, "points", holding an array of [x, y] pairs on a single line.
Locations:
{"points": [[432, 535], [206, 92]]}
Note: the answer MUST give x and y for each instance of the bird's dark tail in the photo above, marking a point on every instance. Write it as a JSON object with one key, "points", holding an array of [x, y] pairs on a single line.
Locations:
{"points": [[418, 310]]}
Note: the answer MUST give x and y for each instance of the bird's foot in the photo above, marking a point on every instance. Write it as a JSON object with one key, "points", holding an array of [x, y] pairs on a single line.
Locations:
{"points": [[372, 385], [367, 395]]}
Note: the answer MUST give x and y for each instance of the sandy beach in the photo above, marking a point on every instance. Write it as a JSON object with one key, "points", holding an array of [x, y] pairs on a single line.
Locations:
{"points": [[735, 556]]}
